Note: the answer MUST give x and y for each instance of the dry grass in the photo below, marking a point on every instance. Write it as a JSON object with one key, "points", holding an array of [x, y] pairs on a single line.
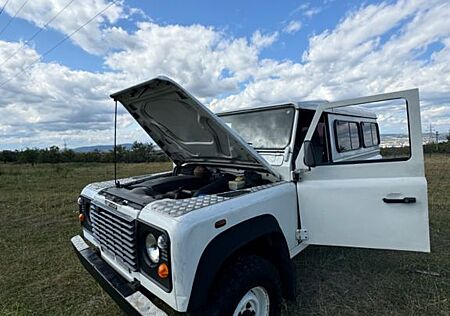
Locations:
{"points": [[40, 274]]}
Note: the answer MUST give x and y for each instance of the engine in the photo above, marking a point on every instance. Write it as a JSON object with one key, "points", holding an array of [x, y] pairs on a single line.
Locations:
{"points": [[186, 183]]}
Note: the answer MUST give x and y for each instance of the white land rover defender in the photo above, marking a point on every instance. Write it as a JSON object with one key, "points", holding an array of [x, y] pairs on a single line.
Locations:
{"points": [[249, 190]]}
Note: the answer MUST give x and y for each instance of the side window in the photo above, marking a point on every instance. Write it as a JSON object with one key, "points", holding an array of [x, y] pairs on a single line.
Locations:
{"points": [[354, 135], [367, 134], [375, 134], [378, 130], [370, 134], [347, 135]]}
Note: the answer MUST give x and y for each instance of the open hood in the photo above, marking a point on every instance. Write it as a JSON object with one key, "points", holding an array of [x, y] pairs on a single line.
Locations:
{"points": [[185, 129]]}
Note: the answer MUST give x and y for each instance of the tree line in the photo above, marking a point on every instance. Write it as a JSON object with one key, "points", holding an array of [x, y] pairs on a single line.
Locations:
{"points": [[441, 148], [145, 152], [139, 152], [430, 148]]}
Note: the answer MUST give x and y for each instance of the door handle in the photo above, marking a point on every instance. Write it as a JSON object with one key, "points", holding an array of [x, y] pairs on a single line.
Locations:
{"points": [[407, 200]]}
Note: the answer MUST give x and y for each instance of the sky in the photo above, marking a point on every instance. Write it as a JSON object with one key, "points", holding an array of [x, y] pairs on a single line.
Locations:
{"points": [[229, 54]]}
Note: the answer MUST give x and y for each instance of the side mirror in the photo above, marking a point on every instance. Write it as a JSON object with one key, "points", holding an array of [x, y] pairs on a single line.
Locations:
{"points": [[308, 154]]}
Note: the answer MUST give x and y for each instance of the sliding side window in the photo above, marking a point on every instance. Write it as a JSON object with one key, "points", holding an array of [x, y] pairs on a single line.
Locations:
{"points": [[371, 131], [347, 135], [370, 134]]}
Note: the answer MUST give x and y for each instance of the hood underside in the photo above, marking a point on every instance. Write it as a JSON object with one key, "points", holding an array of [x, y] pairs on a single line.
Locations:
{"points": [[183, 128]]}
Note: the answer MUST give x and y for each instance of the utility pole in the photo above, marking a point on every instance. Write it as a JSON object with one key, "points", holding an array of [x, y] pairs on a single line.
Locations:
{"points": [[437, 141], [430, 138]]}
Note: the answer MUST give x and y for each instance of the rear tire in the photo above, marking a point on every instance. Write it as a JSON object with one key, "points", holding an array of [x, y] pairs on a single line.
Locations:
{"points": [[249, 286]]}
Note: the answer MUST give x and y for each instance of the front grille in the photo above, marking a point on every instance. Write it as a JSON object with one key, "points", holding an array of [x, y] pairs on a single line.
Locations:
{"points": [[116, 236]]}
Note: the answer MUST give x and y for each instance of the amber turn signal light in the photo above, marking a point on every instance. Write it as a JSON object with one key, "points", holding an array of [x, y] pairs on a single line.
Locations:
{"points": [[81, 217], [163, 271]]}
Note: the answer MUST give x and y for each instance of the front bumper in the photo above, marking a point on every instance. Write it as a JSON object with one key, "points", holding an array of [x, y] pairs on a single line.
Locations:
{"points": [[126, 294]]}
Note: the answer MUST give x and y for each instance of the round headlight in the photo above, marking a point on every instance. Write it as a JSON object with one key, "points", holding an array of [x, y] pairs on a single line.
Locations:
{"points": [[162, 242], [152, 248]]}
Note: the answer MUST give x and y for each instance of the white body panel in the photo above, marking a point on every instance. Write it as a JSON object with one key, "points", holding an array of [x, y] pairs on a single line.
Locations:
{"points": [[195, 230], [343, 218], [342, 204], [191, 233]]}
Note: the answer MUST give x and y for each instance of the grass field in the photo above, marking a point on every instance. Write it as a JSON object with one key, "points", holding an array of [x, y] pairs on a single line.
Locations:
{"points": [[40, 274]]}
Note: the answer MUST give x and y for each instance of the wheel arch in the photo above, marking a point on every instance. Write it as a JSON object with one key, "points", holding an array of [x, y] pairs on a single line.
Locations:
{"points": [[260, 235]]}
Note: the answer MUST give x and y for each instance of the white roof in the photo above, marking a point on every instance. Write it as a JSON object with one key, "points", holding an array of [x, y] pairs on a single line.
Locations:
{"points": [[306, 105]]}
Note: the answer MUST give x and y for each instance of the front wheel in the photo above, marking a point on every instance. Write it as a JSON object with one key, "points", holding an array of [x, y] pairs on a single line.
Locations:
{"points": [[255, 302], [248, 287]]}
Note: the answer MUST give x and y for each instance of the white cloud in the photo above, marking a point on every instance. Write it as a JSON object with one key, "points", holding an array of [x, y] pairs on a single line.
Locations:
{"points": [[374, 49], [260, 41], [201, 58], [358, 58], [50, 101], [293, 27], [311, 12], [56, 99], [94, 37], [304, 6], [307, 10]]}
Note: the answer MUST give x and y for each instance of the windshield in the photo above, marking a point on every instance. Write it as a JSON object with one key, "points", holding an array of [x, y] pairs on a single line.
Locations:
{"points": [[265, 129]]}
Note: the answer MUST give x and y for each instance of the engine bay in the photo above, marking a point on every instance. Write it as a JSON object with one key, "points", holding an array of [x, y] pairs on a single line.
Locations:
{"points": [[186, 182]]}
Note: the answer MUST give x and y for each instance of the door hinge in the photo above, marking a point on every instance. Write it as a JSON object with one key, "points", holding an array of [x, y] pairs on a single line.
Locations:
{"points": [[301, 234], [297, 174]]}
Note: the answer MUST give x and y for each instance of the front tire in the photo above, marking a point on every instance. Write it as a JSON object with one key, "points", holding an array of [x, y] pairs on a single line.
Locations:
{"points": [[249, 286]]}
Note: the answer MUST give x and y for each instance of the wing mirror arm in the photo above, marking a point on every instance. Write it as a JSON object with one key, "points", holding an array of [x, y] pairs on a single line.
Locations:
{"points": [[309, 158]]}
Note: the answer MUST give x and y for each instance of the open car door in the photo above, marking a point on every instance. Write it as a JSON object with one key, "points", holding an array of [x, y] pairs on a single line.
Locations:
{"points": [[376, 203]]}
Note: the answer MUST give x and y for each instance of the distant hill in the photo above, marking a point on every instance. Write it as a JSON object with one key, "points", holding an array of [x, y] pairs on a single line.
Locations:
{"points": [[99, 148]]}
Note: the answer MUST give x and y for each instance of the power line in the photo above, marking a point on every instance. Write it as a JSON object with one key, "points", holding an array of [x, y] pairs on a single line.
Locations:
{"points": [[13, 17], [3, 8], [57, 44], [37, 33]]}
